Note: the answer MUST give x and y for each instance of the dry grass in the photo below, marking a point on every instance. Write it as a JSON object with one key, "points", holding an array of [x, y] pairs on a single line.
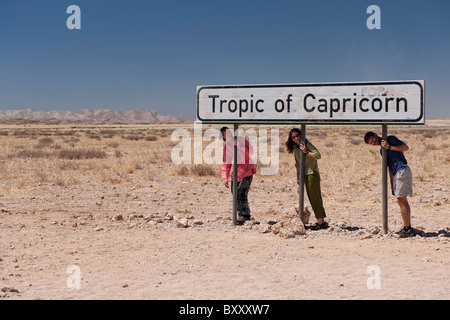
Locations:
{"points": [[62, 155]]}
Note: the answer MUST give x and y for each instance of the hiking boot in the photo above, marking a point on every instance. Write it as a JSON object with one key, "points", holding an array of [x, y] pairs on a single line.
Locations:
{"points": [[406, 232]]}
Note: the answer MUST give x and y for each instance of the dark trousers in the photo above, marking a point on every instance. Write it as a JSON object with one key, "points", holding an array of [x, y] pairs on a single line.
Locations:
{"points": [[243, 187]]}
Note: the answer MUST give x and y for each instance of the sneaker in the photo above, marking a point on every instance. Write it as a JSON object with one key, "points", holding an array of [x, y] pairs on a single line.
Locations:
{"points": [[242, 218], [406, 232]]}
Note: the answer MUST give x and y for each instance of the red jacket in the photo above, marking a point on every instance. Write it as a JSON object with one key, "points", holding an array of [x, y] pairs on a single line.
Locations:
{"points": [[245, 166]]}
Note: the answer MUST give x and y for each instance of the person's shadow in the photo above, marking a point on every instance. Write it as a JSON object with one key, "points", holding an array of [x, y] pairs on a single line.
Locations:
{"points": [[424, 234]]}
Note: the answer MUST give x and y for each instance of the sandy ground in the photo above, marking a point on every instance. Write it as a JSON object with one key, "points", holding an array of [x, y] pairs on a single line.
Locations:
{"points": [[115, 227]]}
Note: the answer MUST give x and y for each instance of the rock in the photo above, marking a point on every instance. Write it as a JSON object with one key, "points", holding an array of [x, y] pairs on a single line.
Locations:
{"points": [[276, 228], [250, 222], [148, 217], [197, 222], [9, 289], [286, 233], [264, 228], [118, 217], [306, 215], [297, 227], [168, 217], [365, 236], [248, 226], [374, 230], [182, 223]]}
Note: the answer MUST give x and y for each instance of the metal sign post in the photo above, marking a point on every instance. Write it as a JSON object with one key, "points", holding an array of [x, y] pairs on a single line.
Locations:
{"points": [[301, 184], [235, 178], [384, 189]]}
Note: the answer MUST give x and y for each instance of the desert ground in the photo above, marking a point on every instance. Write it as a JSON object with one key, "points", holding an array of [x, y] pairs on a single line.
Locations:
{"points": [[98, 211]]}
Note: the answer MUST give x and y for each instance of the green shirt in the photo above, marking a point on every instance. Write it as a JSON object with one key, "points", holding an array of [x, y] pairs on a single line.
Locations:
{"points": [[310, 163]]}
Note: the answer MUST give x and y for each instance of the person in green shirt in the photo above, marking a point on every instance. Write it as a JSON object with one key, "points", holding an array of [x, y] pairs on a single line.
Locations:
{"points": [[312, 176]]}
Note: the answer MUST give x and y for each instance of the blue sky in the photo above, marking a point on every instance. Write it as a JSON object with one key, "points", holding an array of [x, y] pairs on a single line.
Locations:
{"points": [[152, 54]]}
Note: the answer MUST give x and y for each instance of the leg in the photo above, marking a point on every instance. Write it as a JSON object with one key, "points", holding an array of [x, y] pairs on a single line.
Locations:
{"points": [[312, 185], [405, 210], [238, 203], [243, 189]]}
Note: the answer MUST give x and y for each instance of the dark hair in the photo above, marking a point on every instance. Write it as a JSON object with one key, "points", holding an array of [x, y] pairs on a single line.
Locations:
{"points": [[368, 135], [223, 129], [290, 144]]}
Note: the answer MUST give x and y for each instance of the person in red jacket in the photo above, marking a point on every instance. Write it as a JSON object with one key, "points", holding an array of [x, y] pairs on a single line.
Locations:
{"points": [[245, 170]]}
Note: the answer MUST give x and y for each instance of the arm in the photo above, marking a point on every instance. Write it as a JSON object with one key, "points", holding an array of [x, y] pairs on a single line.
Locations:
{"points": [[226, 168], [297, 163], [391, 179], [402, 147], [310, 150], [226, 165]]}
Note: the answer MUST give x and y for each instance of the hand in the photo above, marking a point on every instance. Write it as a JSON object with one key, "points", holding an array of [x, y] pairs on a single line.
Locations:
{"points": [[302, 147], [298, 180], [226, 184], [384, 144]]}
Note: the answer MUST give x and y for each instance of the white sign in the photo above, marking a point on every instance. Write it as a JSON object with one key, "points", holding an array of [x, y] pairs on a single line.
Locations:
{"points": [[396, 102]]}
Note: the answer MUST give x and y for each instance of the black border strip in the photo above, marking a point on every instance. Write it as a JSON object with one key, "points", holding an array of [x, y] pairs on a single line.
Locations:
{"points": [[316, 121]]}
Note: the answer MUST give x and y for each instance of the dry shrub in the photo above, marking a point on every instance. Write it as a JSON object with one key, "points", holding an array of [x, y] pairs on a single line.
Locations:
{"points": [[26, 154], [81, 154], [133, 137], [67, 165], [183, 171], [202, 170], [107, 178], [355, 141], [95, 136], [42, 176], [44, 142], [430, 146]]}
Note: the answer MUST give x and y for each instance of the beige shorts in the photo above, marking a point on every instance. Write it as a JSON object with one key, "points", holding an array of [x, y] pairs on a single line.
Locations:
{"points": [[402, 183]]}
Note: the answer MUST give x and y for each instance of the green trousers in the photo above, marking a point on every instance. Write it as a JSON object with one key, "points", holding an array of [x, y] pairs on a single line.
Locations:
{"points": [[312, 186]]}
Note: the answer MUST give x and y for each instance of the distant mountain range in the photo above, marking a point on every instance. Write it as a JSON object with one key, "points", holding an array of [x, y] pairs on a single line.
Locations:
{"points": [[89, 115]]}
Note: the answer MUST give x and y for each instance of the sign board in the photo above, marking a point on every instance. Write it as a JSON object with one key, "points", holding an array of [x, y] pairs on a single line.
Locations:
{"points": [[388, 102]]}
